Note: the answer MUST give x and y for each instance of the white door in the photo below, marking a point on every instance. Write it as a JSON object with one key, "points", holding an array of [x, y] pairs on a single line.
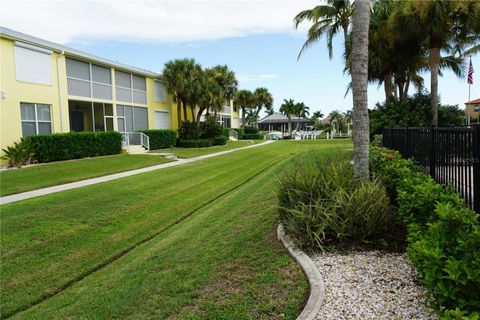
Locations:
{"points": [[161, 120]]}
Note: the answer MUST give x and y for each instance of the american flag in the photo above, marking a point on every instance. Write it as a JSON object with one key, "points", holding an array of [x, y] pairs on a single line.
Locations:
{"points": [[470, 73]]}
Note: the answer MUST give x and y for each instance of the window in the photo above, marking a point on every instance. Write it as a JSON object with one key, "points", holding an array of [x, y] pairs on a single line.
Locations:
{"points": [[161, 120], [131, 119], [101, 74], [130, 87], [32, 64], [78, 69], [159, 91], [476, 107], [36, 119]]}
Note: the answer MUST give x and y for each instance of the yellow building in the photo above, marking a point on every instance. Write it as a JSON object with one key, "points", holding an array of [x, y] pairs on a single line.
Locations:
{"points": [[49, 88], [472, 109]]}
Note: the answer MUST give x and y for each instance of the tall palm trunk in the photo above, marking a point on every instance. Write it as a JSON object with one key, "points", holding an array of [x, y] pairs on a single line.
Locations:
{"points": [[192, 109], [388, 86], [434, 64], [185, 118], [179, 112], [361, 20], [290, 125], [243, 117]]}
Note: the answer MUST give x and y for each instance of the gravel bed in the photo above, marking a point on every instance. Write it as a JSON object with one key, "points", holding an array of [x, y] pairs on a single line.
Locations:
{"points": [[371, 285]]}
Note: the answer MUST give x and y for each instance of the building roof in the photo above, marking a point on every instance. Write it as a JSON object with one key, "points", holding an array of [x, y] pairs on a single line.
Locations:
{"points": [[70, 52], [280, 118], [473, 101]]}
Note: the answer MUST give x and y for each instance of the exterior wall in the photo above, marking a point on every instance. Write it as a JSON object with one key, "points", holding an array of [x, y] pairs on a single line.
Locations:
{"points": [[470, 109], [56, 95], [235, 117], [16, 92]]}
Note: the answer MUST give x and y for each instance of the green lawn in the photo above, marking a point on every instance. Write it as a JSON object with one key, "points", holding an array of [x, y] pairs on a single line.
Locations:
{"points": [[50, 174], [190, 242], [195, 152]]}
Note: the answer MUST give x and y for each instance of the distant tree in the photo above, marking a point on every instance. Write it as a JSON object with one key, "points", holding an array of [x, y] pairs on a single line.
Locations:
{"points": [[301, 111], [245, 100], [179, 78], [263, 100], [270, 112], [251, 117], [288, 109], [317, 114]]}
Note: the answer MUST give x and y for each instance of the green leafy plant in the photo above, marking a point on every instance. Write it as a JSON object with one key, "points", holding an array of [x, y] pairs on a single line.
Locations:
{"points": [[240, 132], [20, 154], [210, 129], [75, 145], [200, 143], [250, 130], [322, 205], [252, 136], [443, 234], [165, 138], [219, 141], [189, 131]]}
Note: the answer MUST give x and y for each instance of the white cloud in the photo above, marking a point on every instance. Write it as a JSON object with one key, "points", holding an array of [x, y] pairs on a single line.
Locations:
{"points": [[256, 78], [165, 21]]}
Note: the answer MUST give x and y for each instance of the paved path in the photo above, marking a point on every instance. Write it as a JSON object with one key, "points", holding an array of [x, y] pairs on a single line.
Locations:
{"points": [[83, 183]]}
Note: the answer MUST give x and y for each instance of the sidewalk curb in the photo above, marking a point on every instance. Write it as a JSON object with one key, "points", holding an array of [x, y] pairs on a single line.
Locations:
{"points": [[315, 281]]}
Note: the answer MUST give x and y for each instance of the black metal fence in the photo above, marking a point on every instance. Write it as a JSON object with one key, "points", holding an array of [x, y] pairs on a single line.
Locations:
{"points": [[448, 154]]}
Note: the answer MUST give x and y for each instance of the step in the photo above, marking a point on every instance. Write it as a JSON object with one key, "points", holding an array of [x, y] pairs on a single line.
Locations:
{"points": [[136, 150]]}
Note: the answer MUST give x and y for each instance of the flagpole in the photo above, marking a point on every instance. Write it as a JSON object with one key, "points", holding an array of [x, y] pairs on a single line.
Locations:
{"points": [[468, 115]]}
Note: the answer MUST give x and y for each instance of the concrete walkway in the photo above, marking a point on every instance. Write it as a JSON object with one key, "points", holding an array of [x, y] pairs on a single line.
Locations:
{"points": [[88, 182]]}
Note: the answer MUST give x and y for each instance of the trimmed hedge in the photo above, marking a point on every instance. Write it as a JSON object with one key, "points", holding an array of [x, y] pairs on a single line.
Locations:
{"points": [[202, 143], [219, 141], [159, 139], [226, 132], [252, 136], [75, 145], [443, 234], [250, 130], [240, 132]]}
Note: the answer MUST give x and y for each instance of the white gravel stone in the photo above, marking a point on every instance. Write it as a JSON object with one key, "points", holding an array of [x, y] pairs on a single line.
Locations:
{"points": [[371, 285]]}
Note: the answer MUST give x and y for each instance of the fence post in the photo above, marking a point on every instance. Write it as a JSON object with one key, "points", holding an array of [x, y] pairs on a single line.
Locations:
{"points": [[407, 150], [433, 151], [476, 168]]}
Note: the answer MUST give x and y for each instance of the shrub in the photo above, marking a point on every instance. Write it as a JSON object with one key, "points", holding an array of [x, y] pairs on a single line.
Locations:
{"points": [[20, 154], [240, 132], [320, 204], [443, 235], [75, 145], [202, 143], [161, 138], [189, 131], [210, 129], [250, 130], [226, 132], [252, 136], [219, 141]]}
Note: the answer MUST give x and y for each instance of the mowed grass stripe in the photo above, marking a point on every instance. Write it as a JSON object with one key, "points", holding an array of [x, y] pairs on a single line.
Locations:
{"points": [[51, 174], [48, 241], [223, 262], [132, 247]]}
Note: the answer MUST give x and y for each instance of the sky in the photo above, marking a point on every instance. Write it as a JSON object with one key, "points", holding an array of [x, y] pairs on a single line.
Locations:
{"points": [[256, 39]]}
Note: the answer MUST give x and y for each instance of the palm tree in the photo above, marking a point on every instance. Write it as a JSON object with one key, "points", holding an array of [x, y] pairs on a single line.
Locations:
{"points": [[288, 109], [178, 79], [328, 19], [317, 114], [301, 111], [252, 117], [442, 25], [348, 116], [245, 100], [361, 21], [270, 112], [335, 118], [263, 100], [208, 94]]}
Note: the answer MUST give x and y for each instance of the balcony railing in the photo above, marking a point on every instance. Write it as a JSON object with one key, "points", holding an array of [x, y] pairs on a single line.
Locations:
{"points": [[89, 89]]}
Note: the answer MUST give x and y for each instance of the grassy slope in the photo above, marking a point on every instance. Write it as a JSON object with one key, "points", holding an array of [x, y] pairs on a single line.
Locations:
{"points": [[80, 229], [36, 177], [195, 152]]}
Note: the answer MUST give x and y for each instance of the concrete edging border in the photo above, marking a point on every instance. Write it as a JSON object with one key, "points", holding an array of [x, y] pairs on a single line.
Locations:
{"points": [[315, 281]]}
